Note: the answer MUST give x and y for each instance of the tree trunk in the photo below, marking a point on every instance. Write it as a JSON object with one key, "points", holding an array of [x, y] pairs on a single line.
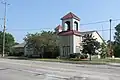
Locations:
{"points": [[42, 55], [90, 57], [43, 50]]}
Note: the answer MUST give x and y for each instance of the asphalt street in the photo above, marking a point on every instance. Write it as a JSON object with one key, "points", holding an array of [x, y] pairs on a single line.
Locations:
{"points": [[39, 70]]}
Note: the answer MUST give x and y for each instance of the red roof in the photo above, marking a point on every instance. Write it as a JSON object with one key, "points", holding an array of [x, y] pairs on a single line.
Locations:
{"points": [[71, 32], [59, 27], [69, 16]]}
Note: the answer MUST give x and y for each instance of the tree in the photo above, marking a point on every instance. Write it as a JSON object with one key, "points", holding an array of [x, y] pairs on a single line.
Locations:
{"points": [[103, 50], [9, 41], [46, 40], [110, 52], [90, 45], [117, 41], [16, 43]]}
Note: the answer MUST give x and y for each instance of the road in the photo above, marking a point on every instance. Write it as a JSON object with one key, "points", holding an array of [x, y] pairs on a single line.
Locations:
{"points": [[38, 70]]}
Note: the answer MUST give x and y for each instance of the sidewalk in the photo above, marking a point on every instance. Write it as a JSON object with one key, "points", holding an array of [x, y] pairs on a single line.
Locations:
{"points": [[114, 64]]}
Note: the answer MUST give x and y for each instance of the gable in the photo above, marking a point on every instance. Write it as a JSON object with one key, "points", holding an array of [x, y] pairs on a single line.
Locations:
{"points": [[95, 34], [98, 37]]}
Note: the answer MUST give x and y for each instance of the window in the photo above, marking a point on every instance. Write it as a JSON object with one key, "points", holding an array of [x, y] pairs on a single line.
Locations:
{"points": [[63, 52], [66, 51], [76, 25], [67, 25]]}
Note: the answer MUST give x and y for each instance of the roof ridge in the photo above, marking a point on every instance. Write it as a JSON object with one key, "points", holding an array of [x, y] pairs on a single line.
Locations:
{"points": [[90, 31], [70, 15]]}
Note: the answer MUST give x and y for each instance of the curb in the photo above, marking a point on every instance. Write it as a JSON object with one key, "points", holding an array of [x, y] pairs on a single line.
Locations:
{"points": [[71, 62], [114, 64]]}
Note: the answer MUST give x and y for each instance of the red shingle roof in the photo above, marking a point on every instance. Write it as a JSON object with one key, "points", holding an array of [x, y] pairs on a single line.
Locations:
{"points": [[71, 32], [59, 27], [69, 16]]}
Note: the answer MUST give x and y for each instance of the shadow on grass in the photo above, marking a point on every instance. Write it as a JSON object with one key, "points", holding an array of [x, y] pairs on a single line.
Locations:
{"points": [[23, 58], [17, 58]]}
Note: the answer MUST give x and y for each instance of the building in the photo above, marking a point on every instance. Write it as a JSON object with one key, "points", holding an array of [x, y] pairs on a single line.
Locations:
{"points": [[30, 51], [18, 49], [26, 50], [95, 34], [71, 36]]}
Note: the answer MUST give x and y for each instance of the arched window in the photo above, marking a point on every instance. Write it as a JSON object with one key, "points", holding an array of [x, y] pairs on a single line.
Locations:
{"points": [[76, 25], [67, 25]]}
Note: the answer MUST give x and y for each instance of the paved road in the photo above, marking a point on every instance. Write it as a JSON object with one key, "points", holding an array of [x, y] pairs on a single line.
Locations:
{"points": [[38, 70]]}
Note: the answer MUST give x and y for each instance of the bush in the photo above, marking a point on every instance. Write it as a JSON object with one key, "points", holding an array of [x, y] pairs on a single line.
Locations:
{"points": [[78, 55], [16, 54], [117, 51], [86, 56], [72, 56], [103, 55], [75, 59], [82, 57]]}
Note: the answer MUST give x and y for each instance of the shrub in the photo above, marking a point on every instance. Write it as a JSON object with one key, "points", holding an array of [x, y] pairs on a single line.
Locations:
{"points": [[16, 54], [82, 57], [72, 56], [75, 59], [86, 56]]}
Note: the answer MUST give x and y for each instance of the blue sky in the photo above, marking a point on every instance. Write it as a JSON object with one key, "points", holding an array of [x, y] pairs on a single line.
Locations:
{"points": [[30, 16]]}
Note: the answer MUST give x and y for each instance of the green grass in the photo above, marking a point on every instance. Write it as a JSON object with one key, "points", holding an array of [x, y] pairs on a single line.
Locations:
{"points": [[108, 60], [45, 59], [72, 60], [79, 61]]}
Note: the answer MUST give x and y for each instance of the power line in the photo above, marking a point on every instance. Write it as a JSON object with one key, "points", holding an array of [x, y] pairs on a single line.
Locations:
{"points": [[51, 28], [94, 23], [41, 29], [1, 18], [100, 30], [100, 22], [30, 29]]}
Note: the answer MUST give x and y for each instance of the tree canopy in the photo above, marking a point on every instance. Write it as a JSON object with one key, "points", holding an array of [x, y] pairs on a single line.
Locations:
{"points": [[9, 41], [47, 40], [116, 47], [90, 45]]}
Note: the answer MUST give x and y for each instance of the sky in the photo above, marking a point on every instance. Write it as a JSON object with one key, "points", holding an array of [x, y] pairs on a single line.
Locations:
{"points": [[30, 16]]}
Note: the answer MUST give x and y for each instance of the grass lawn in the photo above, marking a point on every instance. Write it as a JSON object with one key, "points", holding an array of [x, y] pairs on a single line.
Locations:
{"points": [[78, 61], [73, 60], [109, 60]]}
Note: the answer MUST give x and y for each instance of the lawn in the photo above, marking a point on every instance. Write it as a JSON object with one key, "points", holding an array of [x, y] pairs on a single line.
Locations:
{"points": [[78, 61], [72, 60]]}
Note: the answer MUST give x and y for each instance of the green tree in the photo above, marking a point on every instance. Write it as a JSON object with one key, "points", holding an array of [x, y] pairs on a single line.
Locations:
{"points": [[90, 45], [16, 43], [103, 50], [110, 52], [46, 40], [9, 41], [117, 41]]}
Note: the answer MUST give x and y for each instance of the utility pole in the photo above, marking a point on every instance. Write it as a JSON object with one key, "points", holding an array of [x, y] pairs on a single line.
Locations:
{"points": [[110, 32], [111, 52], [102, 32], [4, 28]]}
